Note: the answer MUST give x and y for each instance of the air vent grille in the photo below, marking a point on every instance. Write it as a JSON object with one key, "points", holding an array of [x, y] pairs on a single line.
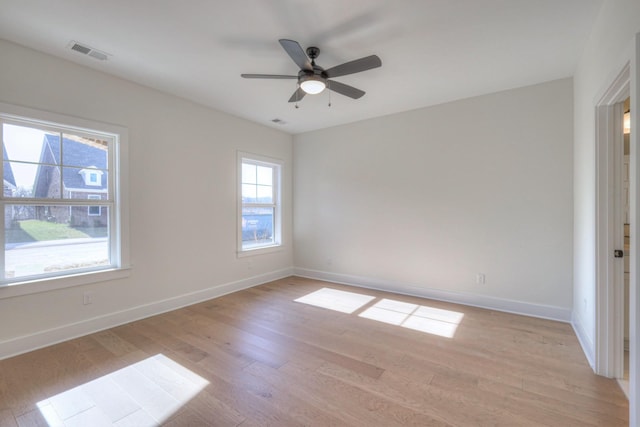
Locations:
{"points": [[86, 50], [79, 48], [98, 55]]}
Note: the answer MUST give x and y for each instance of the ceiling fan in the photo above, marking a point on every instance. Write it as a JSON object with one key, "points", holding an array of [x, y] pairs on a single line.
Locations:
{"points": [[312, 78]]}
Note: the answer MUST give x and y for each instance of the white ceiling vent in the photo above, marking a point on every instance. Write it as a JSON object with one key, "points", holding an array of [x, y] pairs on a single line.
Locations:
{"points": [[86, 50]]}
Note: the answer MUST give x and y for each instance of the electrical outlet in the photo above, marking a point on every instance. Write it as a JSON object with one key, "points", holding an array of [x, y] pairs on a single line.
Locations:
{"points": [[480, 279], [87, 298]]}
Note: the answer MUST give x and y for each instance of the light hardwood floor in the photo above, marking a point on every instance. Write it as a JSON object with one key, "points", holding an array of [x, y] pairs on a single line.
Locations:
{"points": [[259, 358]]}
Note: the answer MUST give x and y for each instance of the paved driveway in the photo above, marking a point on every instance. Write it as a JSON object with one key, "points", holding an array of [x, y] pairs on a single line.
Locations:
{"points": [[53, 255]]}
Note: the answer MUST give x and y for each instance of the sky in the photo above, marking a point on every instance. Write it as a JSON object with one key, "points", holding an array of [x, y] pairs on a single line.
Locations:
{"points": [[24, 144]]}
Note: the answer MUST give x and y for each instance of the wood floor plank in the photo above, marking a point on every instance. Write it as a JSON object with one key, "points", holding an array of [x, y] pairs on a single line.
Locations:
{"points": [[311, 412], [267, 338], [545, 409], [265, 359], [367, 407], [188, 418], [7, 419], [113, 343], [418, 396]]}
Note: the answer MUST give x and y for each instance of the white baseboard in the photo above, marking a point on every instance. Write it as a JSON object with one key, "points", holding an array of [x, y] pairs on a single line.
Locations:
{"points": [[585, 342], [52, 336], [499, 304], [624, 385]]}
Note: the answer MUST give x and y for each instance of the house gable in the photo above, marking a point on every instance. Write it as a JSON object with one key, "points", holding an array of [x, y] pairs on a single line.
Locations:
{"points": [[84, 164]]}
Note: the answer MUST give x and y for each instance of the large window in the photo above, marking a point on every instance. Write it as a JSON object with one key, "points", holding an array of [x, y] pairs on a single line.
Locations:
{"points": [[62, 214], [259, 219]]}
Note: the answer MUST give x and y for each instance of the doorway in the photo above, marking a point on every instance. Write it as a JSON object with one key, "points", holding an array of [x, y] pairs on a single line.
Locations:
{"points": [[626, 126], [609, 298], [610, 230]]}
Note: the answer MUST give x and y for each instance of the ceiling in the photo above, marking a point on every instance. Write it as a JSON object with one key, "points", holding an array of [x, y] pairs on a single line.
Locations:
{"points": [[432, 51]]}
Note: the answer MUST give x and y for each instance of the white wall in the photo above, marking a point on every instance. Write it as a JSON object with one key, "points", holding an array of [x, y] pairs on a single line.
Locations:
{"points": [[606, 52], [182, 207], [422, 201]]}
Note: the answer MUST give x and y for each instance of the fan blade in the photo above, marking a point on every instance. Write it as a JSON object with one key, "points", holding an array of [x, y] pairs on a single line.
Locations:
{"points": [[296, 53], [345, 90], [362, 64], [297, 95], [267, 76]]}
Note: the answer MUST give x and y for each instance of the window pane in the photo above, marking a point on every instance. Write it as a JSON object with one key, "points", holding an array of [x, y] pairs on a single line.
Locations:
{"points": [[257, 227], [248, 173], [78, 181], [23, 148], [265, 175], [19, 179], [248, 193], [83, 152], [47, 182], [47, 239], [265, 194], [24, 144]]}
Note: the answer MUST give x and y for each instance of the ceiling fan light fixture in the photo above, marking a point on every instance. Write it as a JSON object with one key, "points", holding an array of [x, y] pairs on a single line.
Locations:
{"points": [[312, 79], [312, 84]]}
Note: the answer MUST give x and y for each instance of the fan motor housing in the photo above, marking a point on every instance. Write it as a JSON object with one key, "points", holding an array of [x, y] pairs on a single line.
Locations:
{"points": [[313, 52], [317, 71]]}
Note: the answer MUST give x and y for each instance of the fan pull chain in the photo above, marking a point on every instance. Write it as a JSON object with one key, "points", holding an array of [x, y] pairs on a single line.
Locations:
{"points": [[329, 90]]}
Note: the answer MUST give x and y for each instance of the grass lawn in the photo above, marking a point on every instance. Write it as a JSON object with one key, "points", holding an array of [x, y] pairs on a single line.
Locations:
{"points": [[32, 230]]}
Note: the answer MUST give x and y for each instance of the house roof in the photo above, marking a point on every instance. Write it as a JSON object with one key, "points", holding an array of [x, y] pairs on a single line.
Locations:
{"points": [[77, 155], [7, 171]]}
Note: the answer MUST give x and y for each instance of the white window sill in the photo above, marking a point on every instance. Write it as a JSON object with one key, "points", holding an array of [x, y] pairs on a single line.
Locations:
{"points": [[53, 283], [260, 251]]}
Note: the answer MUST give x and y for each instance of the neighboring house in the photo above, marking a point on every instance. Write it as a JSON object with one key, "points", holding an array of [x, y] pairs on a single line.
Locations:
{"points": [[9, 184], [8, 178], [83, 177]]}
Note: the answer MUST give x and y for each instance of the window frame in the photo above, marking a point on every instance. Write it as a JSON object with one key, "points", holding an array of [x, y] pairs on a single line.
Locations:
{"points": [[277, 165], [118, 203]]}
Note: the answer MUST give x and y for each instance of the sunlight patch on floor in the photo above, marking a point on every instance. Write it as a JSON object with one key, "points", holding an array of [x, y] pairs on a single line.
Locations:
{"points": [[333, 299], [430, 320], [421, 318], [146, 393]]}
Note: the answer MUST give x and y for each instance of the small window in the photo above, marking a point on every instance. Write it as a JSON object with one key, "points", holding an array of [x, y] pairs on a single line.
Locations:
{"points": [[91, 176], [94, 210], [259, 220]]}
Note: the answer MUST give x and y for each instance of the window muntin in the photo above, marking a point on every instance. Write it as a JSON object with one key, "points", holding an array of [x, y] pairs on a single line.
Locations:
{"points": [[52, 227], [259, 222]]}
